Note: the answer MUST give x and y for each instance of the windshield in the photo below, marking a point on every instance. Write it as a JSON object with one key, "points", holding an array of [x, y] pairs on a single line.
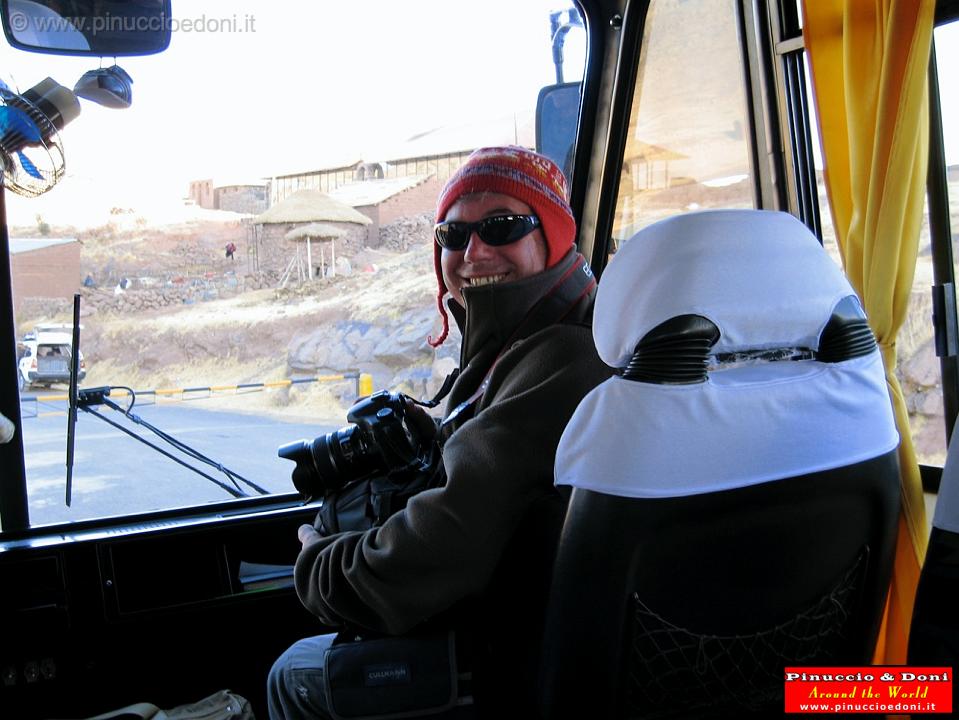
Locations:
{"points": [[251, 238]]}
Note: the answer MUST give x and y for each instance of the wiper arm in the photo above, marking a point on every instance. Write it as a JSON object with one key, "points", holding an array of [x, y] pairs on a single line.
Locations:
{"points": [[98, 396], [83, 399], [73, 396]]}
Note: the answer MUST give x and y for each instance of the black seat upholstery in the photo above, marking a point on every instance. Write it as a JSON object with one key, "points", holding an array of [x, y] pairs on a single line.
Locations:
{"points": [[934, 636], [683, 604], [735, 497]]}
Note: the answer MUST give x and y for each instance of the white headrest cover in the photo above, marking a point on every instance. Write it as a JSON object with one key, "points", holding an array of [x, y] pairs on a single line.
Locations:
{"points": [[766, 283], [746, 270]]}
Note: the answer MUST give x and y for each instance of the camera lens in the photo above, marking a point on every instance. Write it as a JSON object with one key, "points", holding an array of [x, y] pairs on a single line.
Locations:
{"points": [[304, 473], [331, 460], [346, 455]]}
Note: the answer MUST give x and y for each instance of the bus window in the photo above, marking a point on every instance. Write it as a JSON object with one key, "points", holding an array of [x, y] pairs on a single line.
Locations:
{"points": [[947, 59], [918, 367], [252, 237], [827, 229], [688, 142]]}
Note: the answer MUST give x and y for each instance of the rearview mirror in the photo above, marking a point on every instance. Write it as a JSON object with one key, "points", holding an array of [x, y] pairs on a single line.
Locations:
{"points": [[101, 28], [557, 118]]}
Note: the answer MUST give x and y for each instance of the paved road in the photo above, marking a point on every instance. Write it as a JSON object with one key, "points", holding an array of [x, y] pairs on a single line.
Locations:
{"points": [[114, 474]]}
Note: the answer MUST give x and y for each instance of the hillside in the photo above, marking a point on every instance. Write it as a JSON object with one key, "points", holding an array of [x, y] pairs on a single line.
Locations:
{"points": [[225, 326]]}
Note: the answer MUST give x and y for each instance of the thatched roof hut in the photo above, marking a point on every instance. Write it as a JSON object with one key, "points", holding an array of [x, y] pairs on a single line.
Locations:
{"points": [[307, 206], [316, 231], [308, 233], [293, 218]]}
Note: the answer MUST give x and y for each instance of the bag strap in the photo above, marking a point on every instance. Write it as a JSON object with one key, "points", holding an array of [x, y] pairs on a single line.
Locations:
{"points": [[138, 711]]}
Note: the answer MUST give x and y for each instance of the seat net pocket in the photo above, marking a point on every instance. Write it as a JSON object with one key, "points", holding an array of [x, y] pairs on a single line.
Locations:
{"points": [[673, 669]]}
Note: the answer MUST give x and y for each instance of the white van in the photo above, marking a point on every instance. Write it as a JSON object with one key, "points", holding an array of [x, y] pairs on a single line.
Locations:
{"points": [[43, 356]]}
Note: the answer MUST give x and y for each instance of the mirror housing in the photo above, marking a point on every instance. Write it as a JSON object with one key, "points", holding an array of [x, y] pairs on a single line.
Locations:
{"points": [[98, 28], [557, 119]]}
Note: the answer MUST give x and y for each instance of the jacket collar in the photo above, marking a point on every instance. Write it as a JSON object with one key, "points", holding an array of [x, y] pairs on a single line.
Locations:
{"points": [[504, 312]]}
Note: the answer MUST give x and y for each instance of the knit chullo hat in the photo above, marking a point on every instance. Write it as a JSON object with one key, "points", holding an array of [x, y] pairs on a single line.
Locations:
{"points": [[519, 173]]}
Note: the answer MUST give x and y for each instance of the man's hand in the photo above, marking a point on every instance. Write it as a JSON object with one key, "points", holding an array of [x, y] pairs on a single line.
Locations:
{"points": [[307, 535], [420, 422]]}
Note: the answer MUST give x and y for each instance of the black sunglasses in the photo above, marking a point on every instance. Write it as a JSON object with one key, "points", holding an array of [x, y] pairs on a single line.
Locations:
{"points": [[497, 230]]}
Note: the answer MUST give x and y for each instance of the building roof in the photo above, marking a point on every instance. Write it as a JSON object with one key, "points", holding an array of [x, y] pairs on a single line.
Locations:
{"points": [[637, 150], [518, 129], [19, 245], [316, 231], [512, 129], [310, 206], [241, 183], [232, 181], [328, 162], [373, 192]]}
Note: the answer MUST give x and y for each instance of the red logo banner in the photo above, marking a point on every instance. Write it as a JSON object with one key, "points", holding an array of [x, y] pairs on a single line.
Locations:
{"points": [[869, 689]]}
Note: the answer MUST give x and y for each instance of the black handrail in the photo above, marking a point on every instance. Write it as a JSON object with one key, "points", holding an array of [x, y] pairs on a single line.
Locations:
{"points": [[14, 513]]}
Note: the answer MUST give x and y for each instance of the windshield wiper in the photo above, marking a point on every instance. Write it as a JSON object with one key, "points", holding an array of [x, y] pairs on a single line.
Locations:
{"points": [[84, 399], [73, 395], [98, 396]]}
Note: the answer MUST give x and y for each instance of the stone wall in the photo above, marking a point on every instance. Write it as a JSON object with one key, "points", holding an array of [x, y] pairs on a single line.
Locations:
{"points": [[245, 199], [407, 231], [141, 299]]}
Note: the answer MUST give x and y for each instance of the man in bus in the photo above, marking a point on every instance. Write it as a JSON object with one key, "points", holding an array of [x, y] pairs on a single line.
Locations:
{"points": [[476, 551]]}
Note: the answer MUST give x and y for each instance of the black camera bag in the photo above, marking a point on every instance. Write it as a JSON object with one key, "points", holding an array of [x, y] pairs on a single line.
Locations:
{"points": [[391, 677], [367, 503]]}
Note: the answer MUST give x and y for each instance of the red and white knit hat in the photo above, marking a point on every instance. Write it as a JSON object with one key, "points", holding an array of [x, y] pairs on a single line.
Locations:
{"points": [[519, 173]]}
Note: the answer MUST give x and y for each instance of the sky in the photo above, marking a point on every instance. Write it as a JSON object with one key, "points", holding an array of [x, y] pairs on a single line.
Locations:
{"points": [[947, 65], [259, 88], [252, 89]]}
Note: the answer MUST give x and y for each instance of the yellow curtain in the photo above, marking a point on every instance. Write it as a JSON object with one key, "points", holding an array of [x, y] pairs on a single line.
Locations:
{"points": [[869, 61]]}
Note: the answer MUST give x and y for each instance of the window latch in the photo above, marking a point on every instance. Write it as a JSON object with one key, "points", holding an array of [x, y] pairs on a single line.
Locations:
{"points": [[944, 319]]}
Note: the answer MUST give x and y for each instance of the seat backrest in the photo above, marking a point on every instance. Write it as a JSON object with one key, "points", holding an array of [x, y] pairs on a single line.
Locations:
{"points": [[934, 635], [735, 488]]}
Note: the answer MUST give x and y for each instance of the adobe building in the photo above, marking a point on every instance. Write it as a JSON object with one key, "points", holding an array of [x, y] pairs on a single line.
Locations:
{"points": [[245, 198], [385, 201], [44, 267], [248, 197], [437, 153], [201, 193]]}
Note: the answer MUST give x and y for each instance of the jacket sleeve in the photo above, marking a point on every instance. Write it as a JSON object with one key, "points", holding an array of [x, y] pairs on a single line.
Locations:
{"points": [[448, 541]]}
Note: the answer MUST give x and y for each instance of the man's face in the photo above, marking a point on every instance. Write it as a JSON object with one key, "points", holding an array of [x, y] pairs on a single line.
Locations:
{"points": [[480, 263]]}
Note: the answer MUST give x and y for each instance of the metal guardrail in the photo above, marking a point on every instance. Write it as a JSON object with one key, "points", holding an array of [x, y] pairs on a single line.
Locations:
{"points": [[364, 386]]}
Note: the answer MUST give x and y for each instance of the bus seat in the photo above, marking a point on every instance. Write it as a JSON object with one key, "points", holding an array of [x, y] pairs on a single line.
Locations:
{"points": [[735, 489], [934, 636]]}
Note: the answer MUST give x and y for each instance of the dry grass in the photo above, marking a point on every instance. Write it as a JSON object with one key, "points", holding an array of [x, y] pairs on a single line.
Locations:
{"points": [[244, 338]]}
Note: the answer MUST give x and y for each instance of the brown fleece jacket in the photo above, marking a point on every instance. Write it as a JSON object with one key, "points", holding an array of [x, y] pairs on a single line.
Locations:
{"points": [[491, 529]]}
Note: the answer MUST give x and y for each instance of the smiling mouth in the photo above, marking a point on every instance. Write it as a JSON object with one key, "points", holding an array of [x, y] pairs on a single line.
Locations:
{"points": [[485, 280]]}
